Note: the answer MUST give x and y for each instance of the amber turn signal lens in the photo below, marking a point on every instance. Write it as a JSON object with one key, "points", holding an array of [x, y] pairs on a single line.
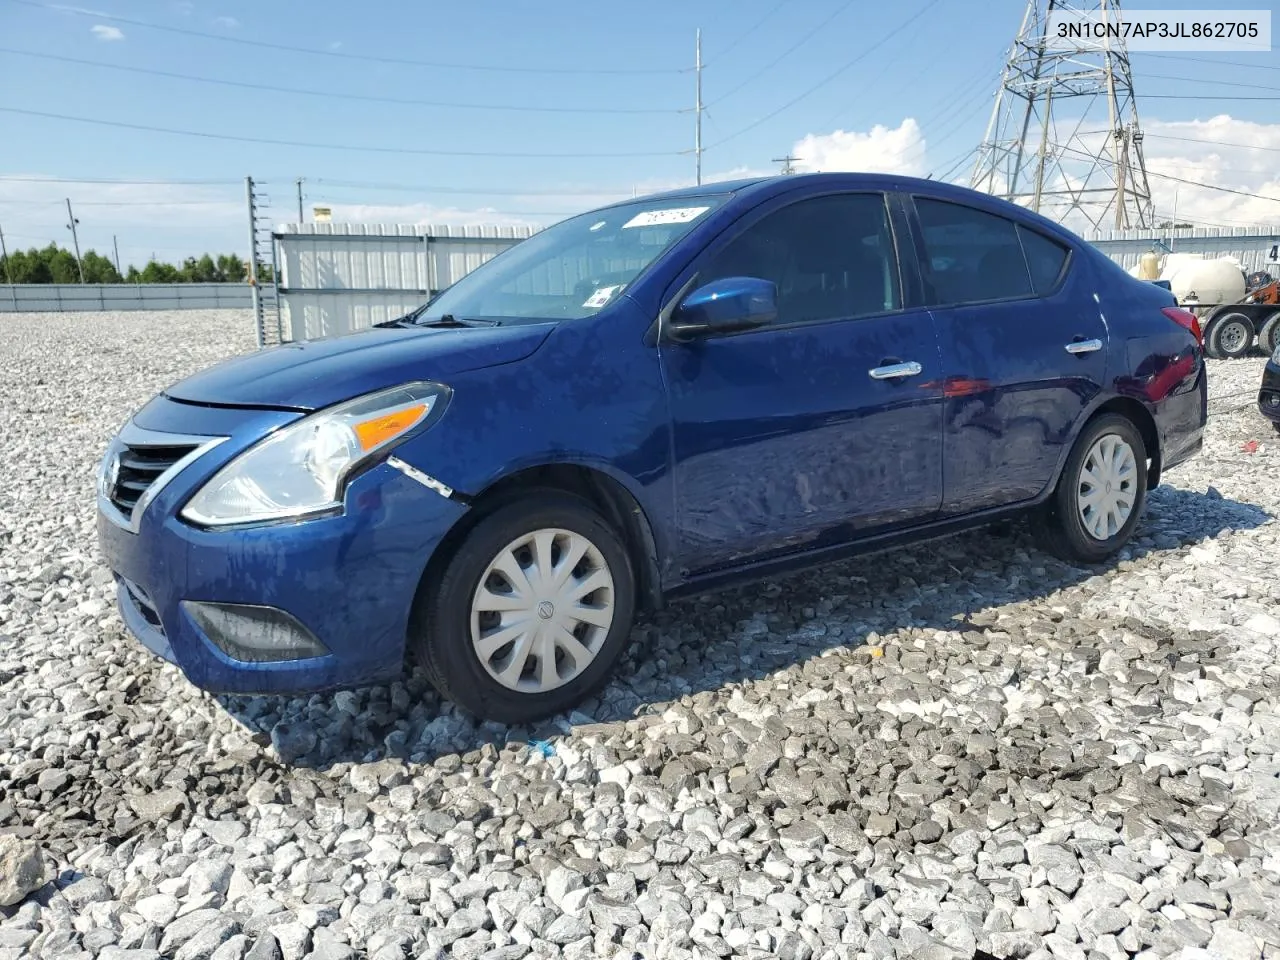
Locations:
{"points": [[379, 430]]}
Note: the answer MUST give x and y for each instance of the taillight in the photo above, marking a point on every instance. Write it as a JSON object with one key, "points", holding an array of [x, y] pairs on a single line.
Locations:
{"points": [[1187, 320]]}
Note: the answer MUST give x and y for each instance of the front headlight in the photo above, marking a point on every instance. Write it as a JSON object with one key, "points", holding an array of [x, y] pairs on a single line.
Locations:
{"points": [[303, 468]]}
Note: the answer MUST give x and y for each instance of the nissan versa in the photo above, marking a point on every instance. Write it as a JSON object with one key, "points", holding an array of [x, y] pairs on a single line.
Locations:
{"points": [[639, 402]]}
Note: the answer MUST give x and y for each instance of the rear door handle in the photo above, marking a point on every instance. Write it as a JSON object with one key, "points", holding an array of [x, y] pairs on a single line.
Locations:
{"points": [[1084, 346], [895, 370]]}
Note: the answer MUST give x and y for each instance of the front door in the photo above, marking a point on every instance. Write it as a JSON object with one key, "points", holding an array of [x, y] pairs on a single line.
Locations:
{"points": [[791, 435], [1024, 348]]}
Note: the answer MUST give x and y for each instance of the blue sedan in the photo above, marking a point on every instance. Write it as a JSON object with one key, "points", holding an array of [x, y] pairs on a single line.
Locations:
{"points": [[643, 401]]}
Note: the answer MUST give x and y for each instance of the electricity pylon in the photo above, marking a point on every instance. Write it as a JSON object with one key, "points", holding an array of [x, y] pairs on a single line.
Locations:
{"points": [[1064, 137]]}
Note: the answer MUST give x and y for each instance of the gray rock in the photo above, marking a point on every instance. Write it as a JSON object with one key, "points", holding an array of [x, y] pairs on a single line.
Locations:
{"points": [[22, 869]]}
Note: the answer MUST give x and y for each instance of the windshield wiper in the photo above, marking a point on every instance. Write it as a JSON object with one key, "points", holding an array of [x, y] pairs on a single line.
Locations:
{"points": [[449, 321], [408, 320]]}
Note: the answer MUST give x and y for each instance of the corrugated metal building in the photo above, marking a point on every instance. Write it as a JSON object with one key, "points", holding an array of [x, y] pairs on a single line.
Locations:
{"points": [[339, 277], [1254, 247]]}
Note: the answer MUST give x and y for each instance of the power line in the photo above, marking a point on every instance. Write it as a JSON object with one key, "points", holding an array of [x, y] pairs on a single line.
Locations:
{"points": [[1216, 83], [5, 178], [1212, 143], [335, 95], [1216, 63], [330, 146], [344, 55], [127, 203], [496, 191], [749, 31], [357, 184], [785, 53], [832, 76]]}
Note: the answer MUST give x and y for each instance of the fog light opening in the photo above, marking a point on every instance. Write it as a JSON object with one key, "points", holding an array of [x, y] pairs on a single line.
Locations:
{"points": [[254, 634]]}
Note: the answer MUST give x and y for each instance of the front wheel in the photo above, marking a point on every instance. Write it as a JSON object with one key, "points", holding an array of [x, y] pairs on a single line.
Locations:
{"points": [[1100, 495], [531, 613]]}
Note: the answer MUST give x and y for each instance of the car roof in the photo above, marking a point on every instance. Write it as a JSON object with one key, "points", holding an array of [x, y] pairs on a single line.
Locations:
{"points": [[760, 188]]}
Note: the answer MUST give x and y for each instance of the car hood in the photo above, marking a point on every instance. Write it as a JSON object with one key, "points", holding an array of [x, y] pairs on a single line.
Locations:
{"points": [[308, 376]]}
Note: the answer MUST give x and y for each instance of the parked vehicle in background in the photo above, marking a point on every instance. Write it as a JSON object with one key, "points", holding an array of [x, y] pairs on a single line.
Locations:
{"points": [[1269, 392], [641, 402], [1237, 313]]}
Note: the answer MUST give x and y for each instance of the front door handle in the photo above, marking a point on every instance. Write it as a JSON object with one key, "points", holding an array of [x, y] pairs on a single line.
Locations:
{"points": [[1084, 346], [895, 370]]}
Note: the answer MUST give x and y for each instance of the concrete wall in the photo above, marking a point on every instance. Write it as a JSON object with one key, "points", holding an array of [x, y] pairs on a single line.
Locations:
{"points": [[70, 297]]}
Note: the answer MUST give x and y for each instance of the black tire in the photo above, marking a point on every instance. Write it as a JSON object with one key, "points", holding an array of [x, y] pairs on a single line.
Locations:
{"points": [[1230, 336], [1061, 530], [441, 631], [1269, 335]]}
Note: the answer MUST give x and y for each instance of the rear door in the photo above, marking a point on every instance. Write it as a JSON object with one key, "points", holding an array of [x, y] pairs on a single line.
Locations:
{"points": [[1024, 349], [783, 436]]}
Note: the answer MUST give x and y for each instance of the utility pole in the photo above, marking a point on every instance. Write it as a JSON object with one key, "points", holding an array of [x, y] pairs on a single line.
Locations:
{"points": [[4, 254], [787, 161], [75, 239], [697, 109], [116, 247], [300, 200]]}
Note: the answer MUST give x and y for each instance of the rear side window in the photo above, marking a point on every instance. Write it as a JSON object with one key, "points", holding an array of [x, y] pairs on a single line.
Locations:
{"points": [[971, 255], [1045, 257]]}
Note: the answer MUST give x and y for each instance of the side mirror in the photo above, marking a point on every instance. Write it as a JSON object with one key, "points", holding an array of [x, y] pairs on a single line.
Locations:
{"points": [[725, 306]]}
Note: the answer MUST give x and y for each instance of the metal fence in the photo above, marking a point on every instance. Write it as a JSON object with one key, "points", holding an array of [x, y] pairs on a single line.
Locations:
{"points": [[336, 278], [59, 297]]}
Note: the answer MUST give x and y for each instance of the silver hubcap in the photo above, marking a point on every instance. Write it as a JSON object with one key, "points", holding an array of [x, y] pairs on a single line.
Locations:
{"points": [[542, 610], [1233, 336], [1108, 483]]}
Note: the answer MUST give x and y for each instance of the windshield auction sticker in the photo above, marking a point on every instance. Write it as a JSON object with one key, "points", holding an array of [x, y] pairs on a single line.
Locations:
{"points": [[654, 218], [1203, 30]]}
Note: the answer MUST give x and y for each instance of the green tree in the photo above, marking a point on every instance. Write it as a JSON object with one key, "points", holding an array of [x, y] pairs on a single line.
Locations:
{"points": [[62, 263], [98, 269], [156, 272], [231, 268]]}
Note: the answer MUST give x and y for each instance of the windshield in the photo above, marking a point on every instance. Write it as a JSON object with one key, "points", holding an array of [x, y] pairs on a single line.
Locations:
{"points": [[574, 269]]}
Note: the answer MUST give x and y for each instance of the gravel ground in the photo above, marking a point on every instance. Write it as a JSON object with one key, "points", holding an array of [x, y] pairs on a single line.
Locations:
{"points": [[958, 747]]}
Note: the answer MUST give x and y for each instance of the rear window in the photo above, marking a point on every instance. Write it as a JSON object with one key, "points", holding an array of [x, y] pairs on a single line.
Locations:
{"points": [[1046, 259]]}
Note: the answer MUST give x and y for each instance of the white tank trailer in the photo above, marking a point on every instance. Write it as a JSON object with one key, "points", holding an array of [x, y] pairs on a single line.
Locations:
{"points": [[1234, 319]]}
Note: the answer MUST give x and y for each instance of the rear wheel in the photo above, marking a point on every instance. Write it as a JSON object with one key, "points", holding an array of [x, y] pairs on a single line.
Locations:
{"points": [[531, 613], [1269, 335], [1230, 336], [1100, 495]]}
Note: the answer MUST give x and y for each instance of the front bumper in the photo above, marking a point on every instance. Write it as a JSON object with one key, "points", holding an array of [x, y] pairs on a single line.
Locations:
{"points": [[1269, 392], [348, 580]]}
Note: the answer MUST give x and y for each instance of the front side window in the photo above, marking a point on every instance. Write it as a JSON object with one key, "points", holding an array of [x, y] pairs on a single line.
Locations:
{"points": [[971, 256], [576, 268], [831, 258]]}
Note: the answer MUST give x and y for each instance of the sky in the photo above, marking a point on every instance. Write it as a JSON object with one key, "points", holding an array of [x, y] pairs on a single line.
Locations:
{"points": [[518, 112]]}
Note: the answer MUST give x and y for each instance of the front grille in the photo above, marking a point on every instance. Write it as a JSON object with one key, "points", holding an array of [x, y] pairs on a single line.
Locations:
{"points": [[140, 467]]}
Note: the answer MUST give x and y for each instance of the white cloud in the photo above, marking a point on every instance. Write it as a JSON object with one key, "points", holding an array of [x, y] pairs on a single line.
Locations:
{"points": [[103, 32], [229, 22], [880, 150]]}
